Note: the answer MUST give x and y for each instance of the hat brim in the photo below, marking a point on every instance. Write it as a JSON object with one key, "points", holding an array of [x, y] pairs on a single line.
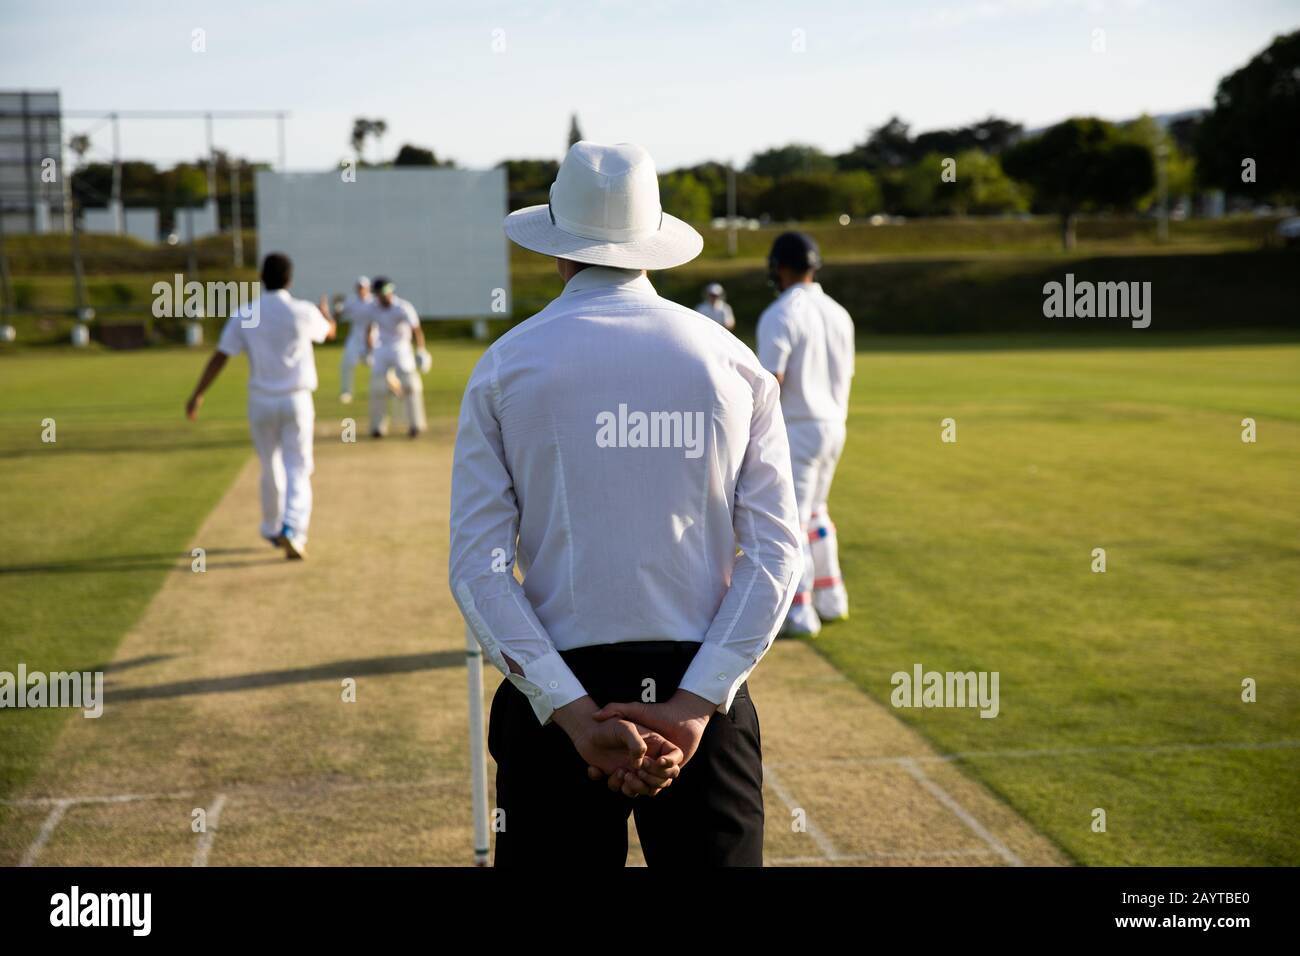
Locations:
{"points": [[675, 242]]}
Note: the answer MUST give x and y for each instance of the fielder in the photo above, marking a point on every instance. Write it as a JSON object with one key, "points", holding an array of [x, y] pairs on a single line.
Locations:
{"points": [[356, 347], [715, 306], [805, 339], [277, 332], [397, 367]]}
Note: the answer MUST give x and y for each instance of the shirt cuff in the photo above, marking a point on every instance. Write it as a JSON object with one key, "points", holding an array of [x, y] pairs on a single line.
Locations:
{"points": [[716, 674], [548, 684]]}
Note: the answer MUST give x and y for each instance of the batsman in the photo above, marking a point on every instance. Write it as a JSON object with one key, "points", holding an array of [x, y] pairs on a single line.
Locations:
{"points": [[393, 323], [806, 340]]}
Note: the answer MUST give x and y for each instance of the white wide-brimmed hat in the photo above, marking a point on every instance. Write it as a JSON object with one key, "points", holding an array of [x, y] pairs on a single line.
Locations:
{"points": [[605, 211]]}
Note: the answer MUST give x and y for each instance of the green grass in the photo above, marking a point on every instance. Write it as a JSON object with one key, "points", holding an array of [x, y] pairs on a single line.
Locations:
{"points": [[974, 555], [93, 523], [977, 556]]}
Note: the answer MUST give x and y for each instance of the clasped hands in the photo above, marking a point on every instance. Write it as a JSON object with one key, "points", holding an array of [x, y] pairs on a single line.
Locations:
{"points": [[638, 749]]}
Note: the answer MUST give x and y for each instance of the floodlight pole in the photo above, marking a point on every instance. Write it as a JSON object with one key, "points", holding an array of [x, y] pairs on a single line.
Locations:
{"points": [[477, 749], [115, 206], [212, 170], [78, 272], [236, 227]]}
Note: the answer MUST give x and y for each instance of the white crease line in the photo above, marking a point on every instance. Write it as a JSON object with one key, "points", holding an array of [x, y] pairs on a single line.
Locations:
{"points": [[306, 787], [47, 831], [942, 795], [823, 842], [72, 801], [210, 822], [1031, 754]]}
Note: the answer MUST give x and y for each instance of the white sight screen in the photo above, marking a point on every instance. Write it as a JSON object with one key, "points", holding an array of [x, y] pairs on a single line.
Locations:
{"points": [[435, 232]]}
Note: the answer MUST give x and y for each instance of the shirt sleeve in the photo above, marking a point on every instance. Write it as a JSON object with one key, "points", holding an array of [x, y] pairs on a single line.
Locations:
{"points": [[774, 342], [232, 335], [484, 532], [767, 571], [318, 327], [412, 316]]}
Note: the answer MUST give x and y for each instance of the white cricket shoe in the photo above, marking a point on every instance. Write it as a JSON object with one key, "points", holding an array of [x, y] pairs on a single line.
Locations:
{"points": [[295, 545], [832, 604], [802, 621]]}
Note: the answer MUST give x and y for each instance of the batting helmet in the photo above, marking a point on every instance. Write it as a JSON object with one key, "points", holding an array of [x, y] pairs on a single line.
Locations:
{"points": [[794, 250]]}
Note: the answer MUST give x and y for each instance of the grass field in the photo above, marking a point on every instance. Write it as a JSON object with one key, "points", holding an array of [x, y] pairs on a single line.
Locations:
{"points": [[1118, 690]]}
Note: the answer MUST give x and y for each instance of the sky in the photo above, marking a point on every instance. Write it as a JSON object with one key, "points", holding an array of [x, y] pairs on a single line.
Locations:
{"points": [[482, 80]]}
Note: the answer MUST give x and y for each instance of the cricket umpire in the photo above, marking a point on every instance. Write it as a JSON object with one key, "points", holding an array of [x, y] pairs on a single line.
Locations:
{"points": [[633, 462]]}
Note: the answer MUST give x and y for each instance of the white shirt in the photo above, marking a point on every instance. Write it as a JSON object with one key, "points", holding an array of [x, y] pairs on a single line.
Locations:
{"points": [[395, 322], [622, 451], [720, 313], [356, 313], [807, 336], [277, 332]]}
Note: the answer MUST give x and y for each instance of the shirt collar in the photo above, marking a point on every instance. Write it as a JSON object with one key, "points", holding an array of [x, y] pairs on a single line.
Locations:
{"points": [[789, 291], [597, 277]]}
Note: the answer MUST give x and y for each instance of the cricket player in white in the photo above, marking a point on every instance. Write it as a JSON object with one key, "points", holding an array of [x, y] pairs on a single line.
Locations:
{"points": [[715, 306], [395, 323], [356, 347], [277, 333], [805, 339]]}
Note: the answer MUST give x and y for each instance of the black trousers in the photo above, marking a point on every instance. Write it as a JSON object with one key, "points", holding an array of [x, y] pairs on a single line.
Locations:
{"points": [[711, 815]]}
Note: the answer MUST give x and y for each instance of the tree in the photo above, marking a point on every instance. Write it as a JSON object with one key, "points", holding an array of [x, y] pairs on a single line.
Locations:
{"points": [[528, 181], [1256, 115], [1179, 167], [981, 187], [80, 146], [920, 184], [362, 130], [801, 196], [857, 193], [575, 132], [684, 196], [990, 135], [410, 155], [789, 160], [1081, 164], [887, 147], [822, 195]]}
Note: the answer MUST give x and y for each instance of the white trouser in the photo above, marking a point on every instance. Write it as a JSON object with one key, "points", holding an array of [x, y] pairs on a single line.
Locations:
{"points": [[401, 360], [282, 434], [354, 350], [815, 448]]}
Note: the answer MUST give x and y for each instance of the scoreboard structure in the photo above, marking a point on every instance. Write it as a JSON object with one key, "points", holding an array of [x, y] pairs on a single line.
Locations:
{"points": [[436, 233]]}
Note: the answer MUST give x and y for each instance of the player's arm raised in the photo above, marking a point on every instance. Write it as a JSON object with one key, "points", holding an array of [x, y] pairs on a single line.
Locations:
{"points": [[325, 311]]}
